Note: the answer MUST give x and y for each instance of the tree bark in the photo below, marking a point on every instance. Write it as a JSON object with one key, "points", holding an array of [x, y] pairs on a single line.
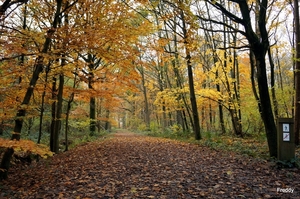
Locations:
{"points": [[144, 89], [53, 114], [193, 99], [42, 105], [92, 116], [58, 118], [297, 73]]}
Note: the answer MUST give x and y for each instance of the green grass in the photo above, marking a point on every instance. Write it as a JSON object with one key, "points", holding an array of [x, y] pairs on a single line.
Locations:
{"points": [[254, 146]]}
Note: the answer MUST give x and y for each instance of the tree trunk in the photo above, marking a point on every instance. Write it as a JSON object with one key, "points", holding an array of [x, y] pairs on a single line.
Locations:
{"points": [[265, 102], [53, 113], [42, 105], [144, 89], [92, 66], [92, 116], [71, 99], [297, 73], [58, 118], [107, 123], [193, 99], [273, 90], [220, 107], [5, 163]]}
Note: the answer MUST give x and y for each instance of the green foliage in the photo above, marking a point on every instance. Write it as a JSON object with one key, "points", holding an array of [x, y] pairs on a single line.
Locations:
{"points": [[82, 138], [154, 126], [135, 123], [173, 132], [254, 146], [247, 146], [293, 163], [142, 127]]}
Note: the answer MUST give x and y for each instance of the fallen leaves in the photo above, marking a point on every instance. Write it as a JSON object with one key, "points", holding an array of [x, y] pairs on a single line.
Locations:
{"points": [[130, 166]]}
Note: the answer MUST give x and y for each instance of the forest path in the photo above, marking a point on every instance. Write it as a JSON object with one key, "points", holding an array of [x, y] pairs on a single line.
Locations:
{"points": [[127, 165]]}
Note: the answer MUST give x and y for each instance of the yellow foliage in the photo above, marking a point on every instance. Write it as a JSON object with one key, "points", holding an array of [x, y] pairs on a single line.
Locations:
{"points": [[26, 145]]}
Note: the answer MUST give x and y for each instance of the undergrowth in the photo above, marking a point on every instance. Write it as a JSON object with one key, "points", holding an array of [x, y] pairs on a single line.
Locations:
{"points": [[253, 146]]}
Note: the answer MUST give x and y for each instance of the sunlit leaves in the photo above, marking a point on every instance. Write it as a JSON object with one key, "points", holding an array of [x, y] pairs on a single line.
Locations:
{"points": [[27, 146], [170, 99]]}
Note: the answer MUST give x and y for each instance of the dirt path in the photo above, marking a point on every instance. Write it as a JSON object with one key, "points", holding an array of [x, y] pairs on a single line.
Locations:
{"points": [[131, 166]]}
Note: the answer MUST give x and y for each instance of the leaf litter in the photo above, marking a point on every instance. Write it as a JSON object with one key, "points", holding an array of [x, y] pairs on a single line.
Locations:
{"points": [[133, 166]]}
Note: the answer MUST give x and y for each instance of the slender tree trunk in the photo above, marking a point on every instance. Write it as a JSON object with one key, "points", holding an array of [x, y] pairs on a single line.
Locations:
{"points": [[297, 73], [147, 113], [58, 114], [53, 114], [67, 121], [42, 104], [107, 123], [92, 99], [220, 108], [92, 116], [71, 99], [273, 90], [193, 99]]}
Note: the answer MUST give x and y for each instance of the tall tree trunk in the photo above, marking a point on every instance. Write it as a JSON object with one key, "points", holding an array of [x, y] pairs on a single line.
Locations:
{"points": [[71, 99], [107, 123], [92, 98], [42, 104], [58, 122], [273, 89], [193, 99], [265, 102], [297, 73], [146, 105], [220, 108], [92, 116], [38, 68], [92, 66], [67, 121], [53, 114]]}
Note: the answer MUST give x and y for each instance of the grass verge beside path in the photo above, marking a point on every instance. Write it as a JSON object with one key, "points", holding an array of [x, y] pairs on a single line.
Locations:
{"points": [[255, 146]]}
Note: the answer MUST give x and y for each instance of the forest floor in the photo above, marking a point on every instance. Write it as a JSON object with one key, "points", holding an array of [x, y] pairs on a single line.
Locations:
{"points": [[127, 165]]}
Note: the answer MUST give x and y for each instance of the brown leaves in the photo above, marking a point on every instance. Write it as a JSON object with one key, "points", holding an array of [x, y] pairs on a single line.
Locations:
{"points": [[130, 166]]}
